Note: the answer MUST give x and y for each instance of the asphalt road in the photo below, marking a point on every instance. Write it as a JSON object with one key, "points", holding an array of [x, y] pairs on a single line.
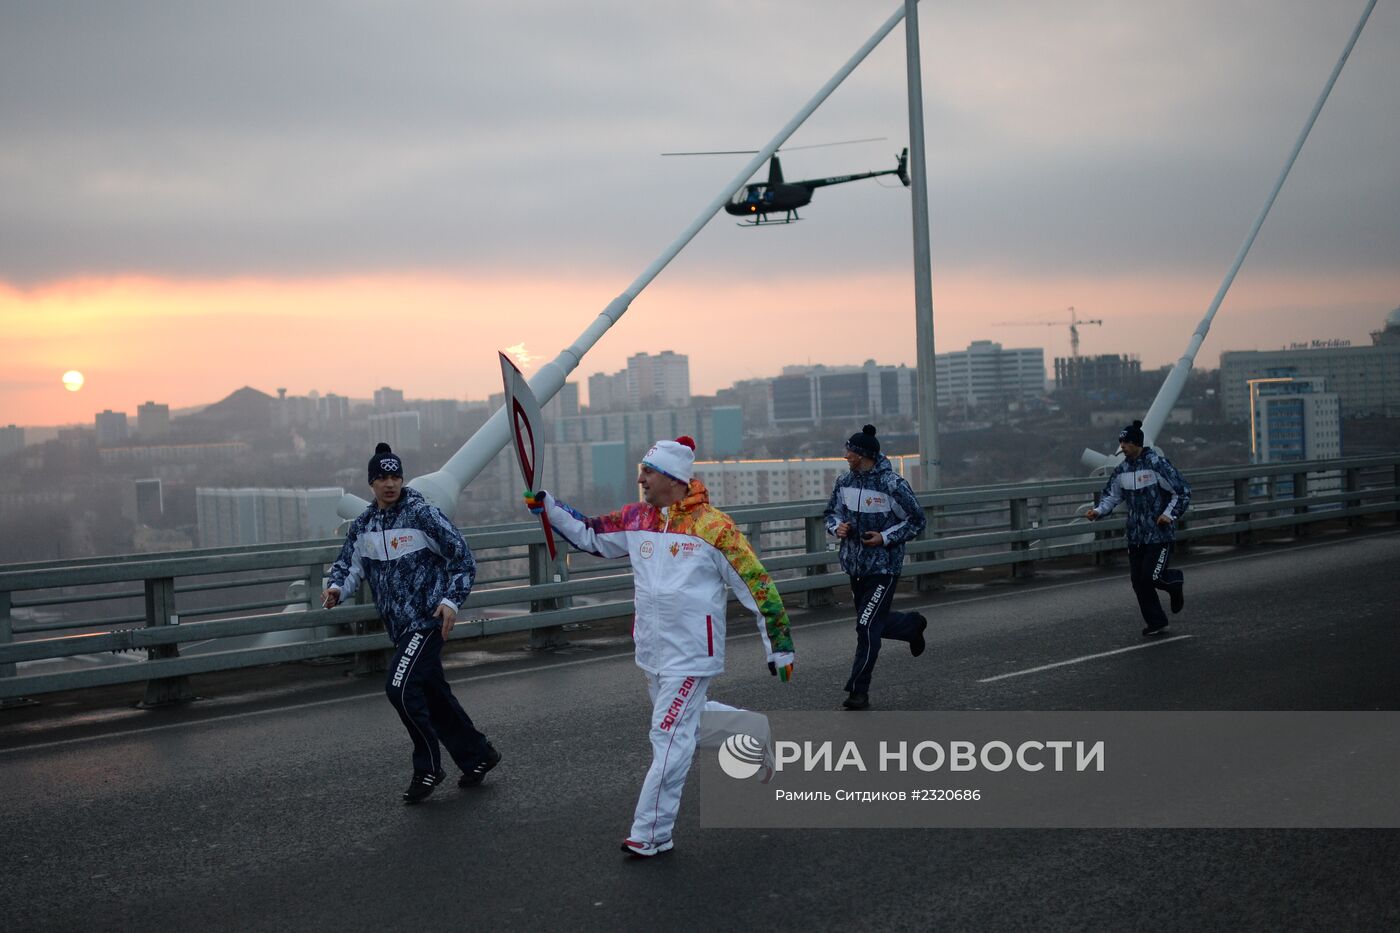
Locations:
{"points": [[279, 809]]}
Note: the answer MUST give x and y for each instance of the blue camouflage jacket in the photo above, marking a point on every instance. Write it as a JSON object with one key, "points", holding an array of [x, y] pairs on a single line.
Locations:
{"points": [[1152, 487], [414, 559], [878, 499]]}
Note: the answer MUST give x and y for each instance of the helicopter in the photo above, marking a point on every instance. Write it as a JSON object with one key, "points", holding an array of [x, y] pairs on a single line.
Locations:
{"points": [[759, 202]]}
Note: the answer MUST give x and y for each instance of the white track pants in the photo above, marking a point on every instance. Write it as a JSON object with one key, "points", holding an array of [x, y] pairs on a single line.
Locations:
{"points": [[677, 702]]}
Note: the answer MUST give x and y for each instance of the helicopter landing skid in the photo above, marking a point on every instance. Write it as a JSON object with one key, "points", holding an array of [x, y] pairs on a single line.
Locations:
{"points": [[761, 222]]}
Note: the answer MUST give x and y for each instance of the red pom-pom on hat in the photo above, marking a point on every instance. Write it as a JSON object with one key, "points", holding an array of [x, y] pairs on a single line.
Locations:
{"points": [[687, 440]]}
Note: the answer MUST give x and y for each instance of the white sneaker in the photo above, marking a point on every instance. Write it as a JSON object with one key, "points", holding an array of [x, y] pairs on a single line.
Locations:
{"points": [[646, 849]]}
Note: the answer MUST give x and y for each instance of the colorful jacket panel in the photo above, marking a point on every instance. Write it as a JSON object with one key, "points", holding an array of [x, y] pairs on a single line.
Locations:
{"points": [[1152, 487], [684, 560], [878, 499], [414, 559]]}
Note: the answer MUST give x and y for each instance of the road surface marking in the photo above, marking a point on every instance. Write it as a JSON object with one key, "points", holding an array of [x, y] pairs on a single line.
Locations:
{"points": [[1087, 657]]}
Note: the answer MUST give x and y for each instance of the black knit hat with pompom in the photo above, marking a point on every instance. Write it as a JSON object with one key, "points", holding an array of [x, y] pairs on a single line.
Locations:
{"points": [[1132, 434], [864, 443], [384, 463]]}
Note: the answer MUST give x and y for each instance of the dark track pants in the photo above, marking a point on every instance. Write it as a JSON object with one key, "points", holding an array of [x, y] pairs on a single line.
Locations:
{"points": [[875, 621], [1147, 567], [419, 691]]}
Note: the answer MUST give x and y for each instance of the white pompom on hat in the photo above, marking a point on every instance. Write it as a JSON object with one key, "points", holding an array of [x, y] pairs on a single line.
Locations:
{"points": [[674, 458]]}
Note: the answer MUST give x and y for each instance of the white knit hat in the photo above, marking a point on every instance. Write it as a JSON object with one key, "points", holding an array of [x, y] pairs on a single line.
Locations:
{"points": [[674, 458]]}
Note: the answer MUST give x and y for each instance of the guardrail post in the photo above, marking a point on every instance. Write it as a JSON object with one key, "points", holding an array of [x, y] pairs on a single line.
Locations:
{"points": [[1396, 483], [160, 612], [7, 636], [1103, 556], [1300, 491], [542, 571], [1020, 521], [1353, 484], [814, 527], [1245, 537], [376, 660], [7, 633], [315, 573], [754, 532], [929, 582]]}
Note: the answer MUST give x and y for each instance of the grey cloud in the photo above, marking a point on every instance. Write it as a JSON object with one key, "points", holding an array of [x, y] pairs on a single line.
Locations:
{"points": [[322, 137]]}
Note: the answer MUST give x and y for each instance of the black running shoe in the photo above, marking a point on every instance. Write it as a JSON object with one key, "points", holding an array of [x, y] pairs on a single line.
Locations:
{"points": [[1178, 597], [857, 701], [422, 785], [477, 772], [1153, 631], [917, 643]]}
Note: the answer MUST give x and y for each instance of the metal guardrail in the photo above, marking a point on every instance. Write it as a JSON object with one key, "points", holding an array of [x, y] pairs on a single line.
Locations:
{"points": [[1012, 525]]}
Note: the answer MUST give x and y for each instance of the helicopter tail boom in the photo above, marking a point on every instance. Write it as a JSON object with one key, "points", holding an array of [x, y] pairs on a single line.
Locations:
{"points": [[901, 170]]}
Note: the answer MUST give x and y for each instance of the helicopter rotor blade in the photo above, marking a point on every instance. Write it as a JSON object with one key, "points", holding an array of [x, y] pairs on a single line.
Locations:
{"points": [[844, 142], [714, 152]]}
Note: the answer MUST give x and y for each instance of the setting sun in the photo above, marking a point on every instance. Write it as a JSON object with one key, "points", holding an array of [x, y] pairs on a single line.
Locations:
{"points": [[72, 380]]}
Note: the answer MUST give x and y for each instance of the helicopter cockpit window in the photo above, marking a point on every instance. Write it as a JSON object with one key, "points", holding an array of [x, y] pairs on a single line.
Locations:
{"points": [[754, 195]]}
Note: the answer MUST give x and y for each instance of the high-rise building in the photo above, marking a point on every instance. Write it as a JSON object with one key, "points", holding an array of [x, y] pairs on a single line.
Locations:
{"points": [[152, 421], [333, 409], [1293, 419], [607, 392], [718, 432], [11, 440], [473, 415], [661, 380], [752, 395], [1114, 373], [148, 502], [439, 417], [599, 473], [1365, 379], [111, 428], [387, 399], [987, 376], [813, 394], [762, 482], [401, 430], [264, 516], [155, 454], [565, 402], [295, 411]]}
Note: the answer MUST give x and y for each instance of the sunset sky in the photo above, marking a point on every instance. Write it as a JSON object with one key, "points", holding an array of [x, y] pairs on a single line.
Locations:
{"points": [[340, 196]]}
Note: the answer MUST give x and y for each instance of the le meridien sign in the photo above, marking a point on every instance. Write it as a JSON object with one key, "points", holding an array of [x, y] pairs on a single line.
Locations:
{"points": [[1320, 344], [1057, 770]]}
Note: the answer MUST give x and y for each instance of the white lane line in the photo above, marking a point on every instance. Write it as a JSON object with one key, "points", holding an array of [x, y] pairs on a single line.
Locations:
{"points": [[1087, 657]]}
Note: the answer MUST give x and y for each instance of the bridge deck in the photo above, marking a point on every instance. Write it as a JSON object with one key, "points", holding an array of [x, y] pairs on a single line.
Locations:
{"points": [[278, 809]]}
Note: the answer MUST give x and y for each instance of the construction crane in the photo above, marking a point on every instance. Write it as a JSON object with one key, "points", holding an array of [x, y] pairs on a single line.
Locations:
{"points": [[1074, 323]]}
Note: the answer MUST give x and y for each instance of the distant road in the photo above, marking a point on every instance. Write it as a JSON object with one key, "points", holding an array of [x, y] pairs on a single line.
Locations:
{"points": [[282, 812]]}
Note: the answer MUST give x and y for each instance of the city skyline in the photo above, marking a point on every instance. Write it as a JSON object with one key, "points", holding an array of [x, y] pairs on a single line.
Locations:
{"points": [[371, 396], [178, 220]]}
